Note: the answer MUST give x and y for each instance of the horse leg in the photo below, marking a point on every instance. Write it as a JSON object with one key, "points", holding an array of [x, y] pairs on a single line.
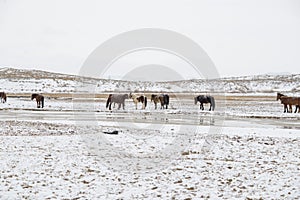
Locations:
{"points": [[143, 105], [155, 105], [123, 105], [163, 104], [110, 105], [135, 105], [119, 106], [285, 108], [210, 108], [291, 108]]}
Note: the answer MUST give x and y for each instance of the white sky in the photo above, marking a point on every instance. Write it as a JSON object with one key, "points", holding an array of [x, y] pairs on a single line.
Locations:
{"points": [[241, 37]]}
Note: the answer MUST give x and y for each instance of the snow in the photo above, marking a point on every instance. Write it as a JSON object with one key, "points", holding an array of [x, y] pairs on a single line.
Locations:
{"points": [[247, 166], [246, 149]]}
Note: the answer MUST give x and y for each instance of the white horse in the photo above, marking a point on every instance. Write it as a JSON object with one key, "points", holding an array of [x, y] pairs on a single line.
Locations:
{"points": [[136, 99]]}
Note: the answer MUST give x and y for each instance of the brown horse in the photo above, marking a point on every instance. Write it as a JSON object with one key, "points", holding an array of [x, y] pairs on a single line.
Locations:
{"points": [[3, 97], [285, 100], [163, 99], [39, 100]]}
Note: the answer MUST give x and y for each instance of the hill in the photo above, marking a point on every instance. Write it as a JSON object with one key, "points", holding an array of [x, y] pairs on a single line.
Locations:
{"points": [[28, 81]]}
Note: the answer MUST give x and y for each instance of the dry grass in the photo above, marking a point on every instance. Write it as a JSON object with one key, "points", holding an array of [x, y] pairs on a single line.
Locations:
{"points": [[185, 96]]}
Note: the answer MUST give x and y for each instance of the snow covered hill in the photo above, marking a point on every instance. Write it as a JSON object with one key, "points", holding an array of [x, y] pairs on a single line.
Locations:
{"points": [[28, 81]]}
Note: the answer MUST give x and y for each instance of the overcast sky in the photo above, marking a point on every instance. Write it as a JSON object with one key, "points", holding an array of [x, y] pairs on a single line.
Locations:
{"points": [[241, 37]]}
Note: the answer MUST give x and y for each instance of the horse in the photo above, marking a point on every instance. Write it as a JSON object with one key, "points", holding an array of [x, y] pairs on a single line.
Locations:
{"points": [[205, 99], [116, 98], [39, 100], [136, 99], [3, 97], [163, 99], [285, 100]]}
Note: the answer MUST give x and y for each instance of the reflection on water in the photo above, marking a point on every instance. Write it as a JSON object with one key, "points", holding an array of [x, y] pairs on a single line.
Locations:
{"points": [[207, 121], [291, 127]]}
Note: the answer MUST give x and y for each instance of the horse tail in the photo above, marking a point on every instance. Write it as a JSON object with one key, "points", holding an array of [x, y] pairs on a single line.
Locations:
{"points": [[145, 101], [167, 99], [213, 104], [42, 99], [108, 100]]}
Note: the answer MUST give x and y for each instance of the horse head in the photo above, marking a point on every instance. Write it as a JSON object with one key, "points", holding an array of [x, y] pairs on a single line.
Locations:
{"points": [[279, 95], [33, 96], [152, 97]]}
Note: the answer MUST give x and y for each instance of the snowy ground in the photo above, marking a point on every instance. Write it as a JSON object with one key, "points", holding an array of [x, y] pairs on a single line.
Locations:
{"points": [[242, 150]]}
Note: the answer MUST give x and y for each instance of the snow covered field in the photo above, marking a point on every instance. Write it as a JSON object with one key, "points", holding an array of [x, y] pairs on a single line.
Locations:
{"points": [[246, 149]]}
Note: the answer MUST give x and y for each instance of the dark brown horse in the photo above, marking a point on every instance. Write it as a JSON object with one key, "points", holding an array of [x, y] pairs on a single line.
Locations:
{"points": [[205, 99], [285, 100], [163, 99], [39, 100], [3, 97]]}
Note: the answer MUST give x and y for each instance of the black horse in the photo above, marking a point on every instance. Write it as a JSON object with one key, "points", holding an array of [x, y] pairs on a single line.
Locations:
{"points": [[39, 100], [205, 99]]}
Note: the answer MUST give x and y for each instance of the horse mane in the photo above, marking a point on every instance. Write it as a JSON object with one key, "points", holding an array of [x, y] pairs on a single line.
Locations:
{"points": [[280, 94]]}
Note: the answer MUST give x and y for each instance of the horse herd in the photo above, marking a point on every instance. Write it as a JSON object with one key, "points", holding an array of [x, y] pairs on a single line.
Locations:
{"points": [[119, 99], [164, 100]]}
